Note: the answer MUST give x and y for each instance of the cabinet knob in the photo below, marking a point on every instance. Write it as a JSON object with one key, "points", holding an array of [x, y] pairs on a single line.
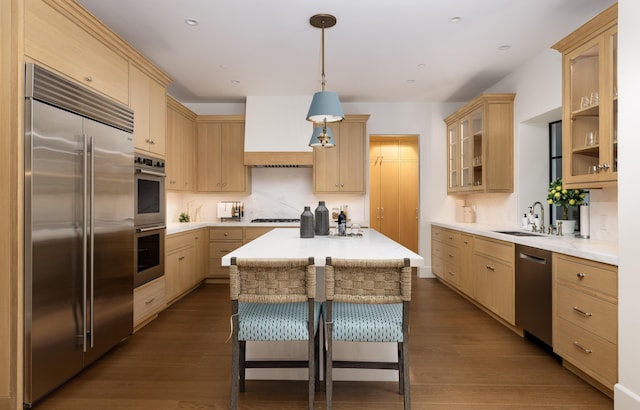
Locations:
{"points": [[89, 78], [580, 275], [489, 267]]}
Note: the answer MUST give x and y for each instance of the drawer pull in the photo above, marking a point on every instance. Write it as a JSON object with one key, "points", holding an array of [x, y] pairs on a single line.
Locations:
{"points": [[582, 312], [580, 275], [584, 349], [489, 267], [150, 301], [451, 273], [451, 238], [451, 255]]}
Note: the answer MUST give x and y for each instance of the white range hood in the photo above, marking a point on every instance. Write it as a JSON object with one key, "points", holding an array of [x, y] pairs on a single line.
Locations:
{"points": [[276, 131]]}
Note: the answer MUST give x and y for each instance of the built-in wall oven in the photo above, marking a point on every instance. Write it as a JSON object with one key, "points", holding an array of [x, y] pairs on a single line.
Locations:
{"points": [[150, 218]]}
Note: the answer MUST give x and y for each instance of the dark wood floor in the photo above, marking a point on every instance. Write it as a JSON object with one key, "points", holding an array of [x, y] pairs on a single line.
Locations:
{"points": [[460, 359]]}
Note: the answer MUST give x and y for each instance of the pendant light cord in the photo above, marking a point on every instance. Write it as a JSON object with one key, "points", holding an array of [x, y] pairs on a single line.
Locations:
{"points": [[323, 80]]}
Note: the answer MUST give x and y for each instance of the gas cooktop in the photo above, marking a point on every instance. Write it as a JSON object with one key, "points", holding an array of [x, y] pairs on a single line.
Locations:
{"points": [[276, 220]]}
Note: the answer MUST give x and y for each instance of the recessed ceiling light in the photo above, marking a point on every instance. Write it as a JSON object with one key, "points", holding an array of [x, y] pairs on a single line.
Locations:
{"points": [[504, 47], [422, 65], [223, 66], [234, 82], [411, 81], [191, 22], [455, 19]]}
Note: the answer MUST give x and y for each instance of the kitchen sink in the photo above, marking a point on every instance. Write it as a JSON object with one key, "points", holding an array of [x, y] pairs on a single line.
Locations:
{"points": [[518, 233]]}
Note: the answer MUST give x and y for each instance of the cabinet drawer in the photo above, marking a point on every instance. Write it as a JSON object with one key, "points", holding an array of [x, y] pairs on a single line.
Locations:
{"points": [[225, 234], [451, 237], [219, 249], [437, 233], [437, 267], [592, 354], [494, 248], [437, 249], [595, 276], [178, 241], [590, 313], [148, 300], [451, 255]]}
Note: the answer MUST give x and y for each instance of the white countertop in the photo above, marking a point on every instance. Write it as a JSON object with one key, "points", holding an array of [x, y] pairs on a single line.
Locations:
{"points": [[286, 243], [179, 227], [601, 251]]}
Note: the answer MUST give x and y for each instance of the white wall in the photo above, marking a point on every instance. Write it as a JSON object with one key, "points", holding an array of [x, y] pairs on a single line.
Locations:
{"points": [[627, 391]]}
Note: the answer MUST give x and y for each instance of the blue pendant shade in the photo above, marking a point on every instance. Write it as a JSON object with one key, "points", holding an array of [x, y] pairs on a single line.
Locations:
{"points": [[325, 106], [322, 137]]}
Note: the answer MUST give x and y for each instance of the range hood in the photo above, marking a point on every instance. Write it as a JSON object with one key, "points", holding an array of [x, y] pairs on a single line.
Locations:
{"points": [[276, 132]]}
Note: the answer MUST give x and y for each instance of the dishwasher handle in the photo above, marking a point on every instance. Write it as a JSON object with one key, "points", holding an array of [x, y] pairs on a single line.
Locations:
{"points": [[532, 258]]}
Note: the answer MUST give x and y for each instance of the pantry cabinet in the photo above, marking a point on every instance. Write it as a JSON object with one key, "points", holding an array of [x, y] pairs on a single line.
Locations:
{"points": [[585, 322], [590, 102], [148, 100], [220, 154], [480, 145], [181, 147], [341, 169], [394, 188]]}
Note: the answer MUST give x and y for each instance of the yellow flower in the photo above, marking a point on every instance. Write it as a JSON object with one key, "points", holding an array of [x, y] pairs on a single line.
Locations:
{"points": [[572, 202], [549, 201], [564, 191], [557, 195]]}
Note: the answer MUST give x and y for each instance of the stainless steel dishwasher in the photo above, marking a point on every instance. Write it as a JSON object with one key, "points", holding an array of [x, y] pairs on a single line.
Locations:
{"points": [[533, 292]]}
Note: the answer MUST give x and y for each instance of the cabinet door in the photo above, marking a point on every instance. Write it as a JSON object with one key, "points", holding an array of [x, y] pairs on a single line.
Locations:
{"points": [[467, 277], [590, 141], [174, 162], [409, 193], [139, 103], [233, 170], [375, 187], [453, 153], [351, 150], [201, 243], [208, 157], [157, 116], [326, 164], [172, 275]]}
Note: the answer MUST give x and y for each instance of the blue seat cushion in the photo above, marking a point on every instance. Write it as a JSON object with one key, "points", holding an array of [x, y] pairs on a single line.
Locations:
{"points": [[355, 322], [275, 321]]}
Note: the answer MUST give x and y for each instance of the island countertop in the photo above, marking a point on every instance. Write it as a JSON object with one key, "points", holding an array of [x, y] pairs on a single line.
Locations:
{"points": [[287, 243]]}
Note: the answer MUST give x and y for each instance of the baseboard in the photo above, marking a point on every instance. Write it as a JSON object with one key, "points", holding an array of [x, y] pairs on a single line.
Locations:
{"points": [[625, 399]]}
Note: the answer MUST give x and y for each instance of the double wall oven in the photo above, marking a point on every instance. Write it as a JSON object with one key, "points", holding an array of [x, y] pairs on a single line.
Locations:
{"points": [[150, 219]]}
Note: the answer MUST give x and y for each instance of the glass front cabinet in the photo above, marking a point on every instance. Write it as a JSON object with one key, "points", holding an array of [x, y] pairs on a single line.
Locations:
{"points": [[480, 145], [590, 103]]}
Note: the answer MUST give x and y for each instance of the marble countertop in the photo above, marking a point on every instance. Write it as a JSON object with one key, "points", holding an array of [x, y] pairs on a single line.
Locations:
{"points": [[286, 243], [179, 227], [601, 251]]}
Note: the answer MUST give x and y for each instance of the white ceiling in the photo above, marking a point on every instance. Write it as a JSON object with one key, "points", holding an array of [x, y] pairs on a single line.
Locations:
{"points": [[382, 50]]}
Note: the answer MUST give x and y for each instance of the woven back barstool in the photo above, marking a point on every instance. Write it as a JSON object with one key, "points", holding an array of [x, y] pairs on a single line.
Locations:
{"points": [[368, 301], [273, 300]]}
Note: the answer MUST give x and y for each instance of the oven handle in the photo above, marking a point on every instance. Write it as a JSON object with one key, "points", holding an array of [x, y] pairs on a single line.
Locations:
{"points": [[149, 229], [147, 172]]}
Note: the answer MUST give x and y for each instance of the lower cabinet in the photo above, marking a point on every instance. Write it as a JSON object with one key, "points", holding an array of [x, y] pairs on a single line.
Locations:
{"points": [[493, 266], [184, 266], [222, 240], [585, 330], [148, 300]]}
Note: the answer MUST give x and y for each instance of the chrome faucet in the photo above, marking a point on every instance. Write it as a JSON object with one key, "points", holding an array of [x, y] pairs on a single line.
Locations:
{"points": [[533, 209]]}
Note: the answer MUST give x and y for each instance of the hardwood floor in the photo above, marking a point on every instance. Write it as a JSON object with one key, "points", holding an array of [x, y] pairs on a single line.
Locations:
{"points": [[460, 359]]}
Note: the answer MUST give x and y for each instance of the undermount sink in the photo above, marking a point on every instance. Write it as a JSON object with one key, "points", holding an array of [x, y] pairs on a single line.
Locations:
{"points": [[518, 233]]}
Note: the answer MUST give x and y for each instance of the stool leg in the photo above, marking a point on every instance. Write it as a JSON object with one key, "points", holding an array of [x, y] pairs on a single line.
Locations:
{"points": [[243, 362]]}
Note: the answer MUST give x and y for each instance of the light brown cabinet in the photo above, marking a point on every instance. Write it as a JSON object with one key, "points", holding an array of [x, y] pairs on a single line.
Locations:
{"points": [[394, 188], [181, 135], [59, 42], [184, 263], [220, 154], [585, 322], [148, 100], [148, 300], [493, 266], [590, 102], [222, 240], [480, 145], [342, 168]]}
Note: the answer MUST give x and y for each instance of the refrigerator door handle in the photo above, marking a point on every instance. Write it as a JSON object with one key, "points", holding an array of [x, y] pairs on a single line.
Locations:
{"points": [[85, 237], [91, 180]]}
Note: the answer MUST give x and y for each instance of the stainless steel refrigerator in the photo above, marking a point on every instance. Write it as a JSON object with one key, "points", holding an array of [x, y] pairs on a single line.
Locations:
{"points": [[79, 231]]}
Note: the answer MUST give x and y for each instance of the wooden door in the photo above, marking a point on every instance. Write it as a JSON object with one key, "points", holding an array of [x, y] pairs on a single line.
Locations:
{"points": [[409, 193]]}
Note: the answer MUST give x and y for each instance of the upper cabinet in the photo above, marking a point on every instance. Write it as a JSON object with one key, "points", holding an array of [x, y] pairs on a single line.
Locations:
{"points": [[220, 154], [480, 145], [342, 168], [148, 100], [590, 102], [181, 141], [59, 42]]}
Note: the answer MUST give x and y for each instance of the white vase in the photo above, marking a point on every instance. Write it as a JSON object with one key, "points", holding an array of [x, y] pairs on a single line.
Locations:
{"points": [[568, 226]]}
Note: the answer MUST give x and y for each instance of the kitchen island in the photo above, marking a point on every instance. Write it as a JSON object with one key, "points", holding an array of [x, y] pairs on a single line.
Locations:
{"points": [[286, 243]]}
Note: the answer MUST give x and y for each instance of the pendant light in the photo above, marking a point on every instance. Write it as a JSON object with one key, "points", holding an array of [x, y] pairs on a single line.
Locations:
{"points": [[322, 137], [325, 106]]}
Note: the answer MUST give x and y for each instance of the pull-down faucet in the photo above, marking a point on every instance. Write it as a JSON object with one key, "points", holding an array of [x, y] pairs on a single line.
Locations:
{"points": [[533, 209]]}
